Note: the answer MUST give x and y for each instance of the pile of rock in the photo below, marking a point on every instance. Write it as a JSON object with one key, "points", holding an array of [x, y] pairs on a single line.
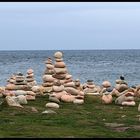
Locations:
{"points": [[121, 84], [107, 96], [47, 76], [58, 90], [30, 78], [105, 84], [90, 88], [78, 85], [126, 98], [17, 82], [17, 86], [60, 70]]}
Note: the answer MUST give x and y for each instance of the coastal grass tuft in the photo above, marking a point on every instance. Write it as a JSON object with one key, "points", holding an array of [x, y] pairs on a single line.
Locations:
{"points": [[88, 120]]}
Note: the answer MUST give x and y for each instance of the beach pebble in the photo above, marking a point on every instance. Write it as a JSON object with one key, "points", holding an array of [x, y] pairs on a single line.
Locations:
{"points": [[49, 112], [52, 105], [78, 101]]}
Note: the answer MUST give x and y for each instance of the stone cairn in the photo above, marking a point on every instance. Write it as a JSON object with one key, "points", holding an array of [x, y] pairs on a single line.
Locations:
{"points": [[64, 88], [47, 76], [17, 82], [17, 91], [60, 70], [126, 98], [90, 88], [30, 78]]}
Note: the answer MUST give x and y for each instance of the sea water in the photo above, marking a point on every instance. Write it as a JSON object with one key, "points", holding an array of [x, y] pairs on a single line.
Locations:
{"points": [[96, 65]]}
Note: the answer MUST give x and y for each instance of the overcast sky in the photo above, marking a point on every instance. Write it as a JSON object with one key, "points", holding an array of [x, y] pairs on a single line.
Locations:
{"points": [[69, 25]]}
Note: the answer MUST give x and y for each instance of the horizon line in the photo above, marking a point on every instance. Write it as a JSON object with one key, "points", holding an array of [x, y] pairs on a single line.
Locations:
{"points": [[66, 49]]}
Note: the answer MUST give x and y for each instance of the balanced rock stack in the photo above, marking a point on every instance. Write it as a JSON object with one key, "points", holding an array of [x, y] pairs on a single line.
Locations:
{"points": [[78, 85], [19, 87], [105, 84], [107, 96], [30, 78], [70, 87], [126, 98], [129, 99], [90, 88], [47, 77], [58, 91], [121, 84], [17, 82], [68, 81], [12, 79], [60, 70], [49, 67]]}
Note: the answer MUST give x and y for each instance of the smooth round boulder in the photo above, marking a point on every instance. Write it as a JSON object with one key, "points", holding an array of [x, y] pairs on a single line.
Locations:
{"points": [[49, 66], [47, 84], [60, 70], [106, 84], [71, 90], [78, 101], [58, 59], [47, 78], [60, 64], [107, 99], [69, 84], [67, 98], [58, 88], [60, 76], [52, 105], [58, 95], [122, 87], [58, 55]]}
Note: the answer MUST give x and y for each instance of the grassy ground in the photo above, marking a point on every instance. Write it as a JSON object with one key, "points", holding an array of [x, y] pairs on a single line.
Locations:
{"points": [[71, 121]]}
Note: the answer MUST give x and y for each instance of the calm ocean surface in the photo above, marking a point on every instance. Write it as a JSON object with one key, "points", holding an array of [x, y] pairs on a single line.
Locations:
{"points": [[97, 65]]}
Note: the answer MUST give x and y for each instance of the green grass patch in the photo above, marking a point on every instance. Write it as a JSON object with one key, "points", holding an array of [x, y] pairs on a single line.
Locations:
{"points": [[71, 121]]}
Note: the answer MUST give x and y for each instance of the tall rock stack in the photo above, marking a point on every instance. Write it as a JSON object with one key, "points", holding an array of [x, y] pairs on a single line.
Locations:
{"points": [[60, 70], [47, 77], [49, 67], [30, 78]]}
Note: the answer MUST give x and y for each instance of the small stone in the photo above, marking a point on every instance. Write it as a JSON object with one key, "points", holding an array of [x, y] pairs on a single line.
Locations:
{"points": [[121, 107], [33, 109], [104, 119], [123, 116], [52, 105], [49, 112]]}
